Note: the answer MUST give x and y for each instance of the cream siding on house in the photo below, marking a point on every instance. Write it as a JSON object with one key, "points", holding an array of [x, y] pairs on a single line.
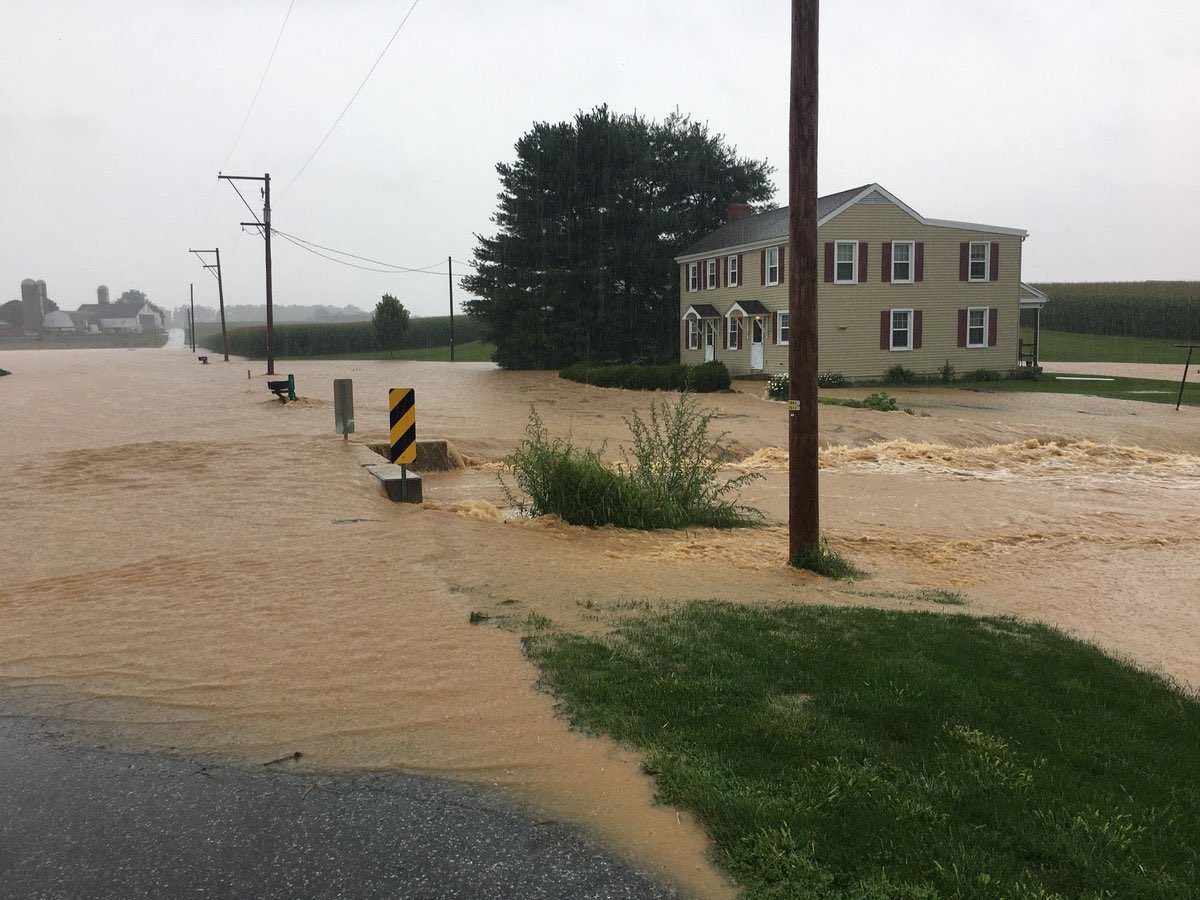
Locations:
{"points": [[848, 331]]}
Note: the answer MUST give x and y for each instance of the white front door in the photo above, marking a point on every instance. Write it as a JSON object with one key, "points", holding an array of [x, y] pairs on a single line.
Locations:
{"points": [[710, 340], [756, 343]]}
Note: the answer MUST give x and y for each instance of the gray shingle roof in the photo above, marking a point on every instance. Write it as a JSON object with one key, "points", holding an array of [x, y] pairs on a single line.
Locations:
{"points": [[765, 225]]}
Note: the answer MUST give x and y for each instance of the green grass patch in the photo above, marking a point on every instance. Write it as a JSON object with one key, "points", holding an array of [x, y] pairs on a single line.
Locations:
{"points": [[837, 752], [823, 560], [669, 476], [1063, 346], [1118, 388]]}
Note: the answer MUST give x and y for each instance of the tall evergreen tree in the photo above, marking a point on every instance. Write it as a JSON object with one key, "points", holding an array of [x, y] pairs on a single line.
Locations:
{"points": [[591, 216]]}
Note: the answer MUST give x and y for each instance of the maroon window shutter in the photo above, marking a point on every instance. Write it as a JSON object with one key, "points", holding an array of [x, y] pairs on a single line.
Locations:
{"points": [[993, 317], [762, 266], [685, 340], [741, 331], [885, 329], [829, 261], [722, 275], [725, 332], [917, 323], [964, 256], [781, 265], [775, 327], [741, 272], [862, 261], [919, 268], [887, 262], [962, 328], [995, 268]]}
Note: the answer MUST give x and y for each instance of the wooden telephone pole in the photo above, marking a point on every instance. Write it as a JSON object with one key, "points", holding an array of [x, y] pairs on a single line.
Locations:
{"points": [[220, 293], [804, 519], [450, 274], [265, 226]]}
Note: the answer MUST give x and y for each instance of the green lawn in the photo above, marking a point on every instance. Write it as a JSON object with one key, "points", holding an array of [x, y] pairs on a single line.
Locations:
{"points": [[1117, 388], [1064, 346], [837, 752], [472, 351]]}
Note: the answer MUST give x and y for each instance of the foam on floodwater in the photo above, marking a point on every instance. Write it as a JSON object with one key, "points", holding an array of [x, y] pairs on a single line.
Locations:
{"points": [[997, 460]]}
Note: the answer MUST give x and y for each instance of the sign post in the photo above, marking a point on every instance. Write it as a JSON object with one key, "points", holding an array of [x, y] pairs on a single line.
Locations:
{"points": [[343, 407], [402, 404]]}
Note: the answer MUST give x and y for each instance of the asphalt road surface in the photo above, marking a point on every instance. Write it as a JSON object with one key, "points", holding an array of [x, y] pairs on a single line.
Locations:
{"points": [[83, 822]]}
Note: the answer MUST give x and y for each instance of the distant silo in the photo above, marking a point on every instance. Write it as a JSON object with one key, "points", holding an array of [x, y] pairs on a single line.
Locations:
{"points": [[102, 294], [32, 307], [42, 290]]}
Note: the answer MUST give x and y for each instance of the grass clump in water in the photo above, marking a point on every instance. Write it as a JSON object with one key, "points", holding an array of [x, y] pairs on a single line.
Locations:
{"points": [[669, 477], [822, 559], [852, 752]]}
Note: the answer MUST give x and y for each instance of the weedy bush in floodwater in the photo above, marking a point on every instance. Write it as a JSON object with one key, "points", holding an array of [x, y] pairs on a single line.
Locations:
{"points": [[670, 477], [946, 373], [880, 401]]}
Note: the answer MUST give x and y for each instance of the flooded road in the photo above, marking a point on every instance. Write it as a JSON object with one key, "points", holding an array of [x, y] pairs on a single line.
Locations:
{"points": [[194, 567]]}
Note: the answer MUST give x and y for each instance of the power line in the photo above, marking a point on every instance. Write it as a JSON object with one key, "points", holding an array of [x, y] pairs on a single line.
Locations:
{"points": [[426, 270], [261, 81], [353, 98]]}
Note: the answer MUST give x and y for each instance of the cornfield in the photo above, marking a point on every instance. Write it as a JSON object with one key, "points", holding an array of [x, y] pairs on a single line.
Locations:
{"points": [[341, 338], [1168, 310]]}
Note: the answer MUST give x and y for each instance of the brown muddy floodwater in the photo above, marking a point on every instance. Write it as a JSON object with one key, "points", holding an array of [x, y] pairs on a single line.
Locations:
{"points": [[191, 566]]}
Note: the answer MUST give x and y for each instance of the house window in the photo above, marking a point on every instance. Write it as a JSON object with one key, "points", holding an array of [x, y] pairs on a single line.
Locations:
{"points": [[902, 261], [846, 264], [693, 334], [785, 330], [735, 325], [731, 265], [901, 329], [977, 317], [711, 274], [693, 277], [979, 261], [773, 265]]}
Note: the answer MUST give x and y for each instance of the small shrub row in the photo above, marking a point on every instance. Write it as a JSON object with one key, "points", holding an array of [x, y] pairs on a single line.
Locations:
{"points": [[832, 380], [702, 379], [983, 375]]}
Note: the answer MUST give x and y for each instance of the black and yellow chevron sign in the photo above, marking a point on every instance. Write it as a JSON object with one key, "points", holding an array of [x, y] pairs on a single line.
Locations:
{"points": [[403, 405]]}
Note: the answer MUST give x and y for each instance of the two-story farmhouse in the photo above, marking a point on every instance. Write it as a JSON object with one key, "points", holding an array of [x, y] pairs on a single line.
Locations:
{"points": [[893, 287]]}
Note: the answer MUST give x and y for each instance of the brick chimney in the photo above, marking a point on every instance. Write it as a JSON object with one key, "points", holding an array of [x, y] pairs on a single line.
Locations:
{"points": [[738, 211]]}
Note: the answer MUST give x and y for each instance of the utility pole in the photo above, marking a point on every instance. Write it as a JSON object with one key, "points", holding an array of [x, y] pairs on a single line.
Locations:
{"points": [[220, 293], [265, 226], [450, 274], [192, 314], [804, 520]]}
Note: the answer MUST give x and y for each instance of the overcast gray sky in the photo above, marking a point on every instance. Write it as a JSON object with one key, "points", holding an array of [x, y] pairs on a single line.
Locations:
{"points": [[1078, 120]]}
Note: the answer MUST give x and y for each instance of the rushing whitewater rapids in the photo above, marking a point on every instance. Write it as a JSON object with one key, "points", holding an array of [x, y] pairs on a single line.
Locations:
{"points": [[191, 566]]}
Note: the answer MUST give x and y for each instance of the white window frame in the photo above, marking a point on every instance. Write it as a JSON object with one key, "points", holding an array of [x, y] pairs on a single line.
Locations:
{"points": [[983, 326], [910, 262], [693, 277], [731, 267], [732, 330], [908, 329], [693, 333], [986, 260], [785, 328], [772, 253], [710, 274], [837, 264]]}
